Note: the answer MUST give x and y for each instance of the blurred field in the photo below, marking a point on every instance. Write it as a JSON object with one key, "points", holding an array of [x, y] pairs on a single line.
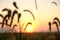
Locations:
{"points": [[30, 36]]}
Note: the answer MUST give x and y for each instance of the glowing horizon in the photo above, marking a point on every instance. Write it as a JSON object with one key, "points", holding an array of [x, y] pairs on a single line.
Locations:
{"points": [[44, 12]]}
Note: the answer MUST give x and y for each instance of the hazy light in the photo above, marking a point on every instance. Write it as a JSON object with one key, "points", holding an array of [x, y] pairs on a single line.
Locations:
{"points": [[29, 28]]}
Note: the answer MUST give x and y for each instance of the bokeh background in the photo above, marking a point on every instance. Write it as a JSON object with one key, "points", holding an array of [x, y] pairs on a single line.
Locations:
{"points": [[45, 12]]}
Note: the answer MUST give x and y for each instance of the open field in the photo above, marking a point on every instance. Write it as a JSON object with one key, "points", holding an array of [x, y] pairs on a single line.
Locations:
{"points": [[30, 36]]}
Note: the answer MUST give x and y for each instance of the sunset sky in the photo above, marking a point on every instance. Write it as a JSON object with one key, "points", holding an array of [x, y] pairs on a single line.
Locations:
{"points": [[46, 11]]}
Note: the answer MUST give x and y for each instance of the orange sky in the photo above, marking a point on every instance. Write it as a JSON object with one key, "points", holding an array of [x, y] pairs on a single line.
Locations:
{"points": [[45, 13]]}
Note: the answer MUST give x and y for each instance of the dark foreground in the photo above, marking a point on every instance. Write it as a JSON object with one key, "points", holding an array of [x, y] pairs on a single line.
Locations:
{"points": [[30, 36]]}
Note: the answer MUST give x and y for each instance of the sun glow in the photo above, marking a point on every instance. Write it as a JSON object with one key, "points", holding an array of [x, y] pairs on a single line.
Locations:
{"points": [[29, 28]]}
